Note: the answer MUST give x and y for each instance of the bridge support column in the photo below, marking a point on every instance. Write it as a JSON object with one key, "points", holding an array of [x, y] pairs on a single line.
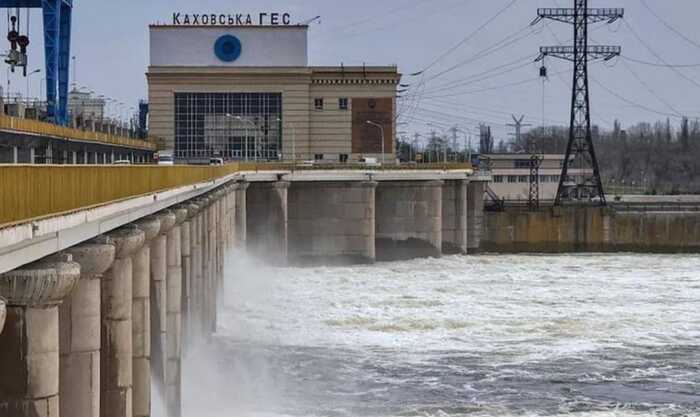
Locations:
{"points": [[116, 355], [197, 277], [454, 217], [241, 231], [267, 221], [79, 331], [187, 235], [173, 370], [203, 284], [141, 319], [475, 214], [230, 215], [409, 219], [159, 296], [29, 344], [3, 313], [218, 256], [331, 222]]}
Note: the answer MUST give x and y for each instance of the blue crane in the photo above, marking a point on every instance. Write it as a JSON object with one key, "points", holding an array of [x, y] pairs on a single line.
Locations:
{"points": [[57, 27]]}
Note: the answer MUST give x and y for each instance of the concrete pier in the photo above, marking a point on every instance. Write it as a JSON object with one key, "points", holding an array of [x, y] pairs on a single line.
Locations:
{"points": [[187, 234], [267, 221], [454, 217], [29, 344], [116, 360], [3, 313], [159, 294], [79, 331], [409, 219], [211, 267], [141, 318], [331, 222], [203, 284], [241, 228], [196, 301], [173, 349], [475, 215]]}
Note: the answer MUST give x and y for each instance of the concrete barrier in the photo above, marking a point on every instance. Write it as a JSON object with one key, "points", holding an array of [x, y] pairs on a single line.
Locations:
{"points": [[409, 219], [591, 229], [332, 222]]}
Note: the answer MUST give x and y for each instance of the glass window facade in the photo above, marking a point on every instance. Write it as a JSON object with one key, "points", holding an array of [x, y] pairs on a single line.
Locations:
{"points": [[233, 126]]}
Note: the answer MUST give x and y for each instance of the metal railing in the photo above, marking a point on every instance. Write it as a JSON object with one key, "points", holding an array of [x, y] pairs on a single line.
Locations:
{"points": [[31, 192], [352, 166], [49, 129]]}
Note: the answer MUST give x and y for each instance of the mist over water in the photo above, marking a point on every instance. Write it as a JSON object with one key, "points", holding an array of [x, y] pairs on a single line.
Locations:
{"points": [[583, 335]]}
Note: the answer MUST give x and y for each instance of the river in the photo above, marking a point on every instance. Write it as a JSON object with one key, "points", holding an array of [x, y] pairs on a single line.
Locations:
{"points": [[576, 335]]}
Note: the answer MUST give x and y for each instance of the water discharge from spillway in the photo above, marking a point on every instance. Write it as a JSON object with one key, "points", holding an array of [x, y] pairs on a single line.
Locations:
{"points": [[584, 336]]}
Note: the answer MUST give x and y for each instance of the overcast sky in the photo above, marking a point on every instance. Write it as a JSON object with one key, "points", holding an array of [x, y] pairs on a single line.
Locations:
{"points": [[110, 42]]}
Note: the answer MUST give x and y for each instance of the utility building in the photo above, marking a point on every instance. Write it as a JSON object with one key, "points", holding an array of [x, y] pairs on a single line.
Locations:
{"points": [[247, 93]]}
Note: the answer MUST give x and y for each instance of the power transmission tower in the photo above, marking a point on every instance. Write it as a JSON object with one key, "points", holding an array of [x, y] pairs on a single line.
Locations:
{"points": [[580, 153], [518, 129], [533, 199]]}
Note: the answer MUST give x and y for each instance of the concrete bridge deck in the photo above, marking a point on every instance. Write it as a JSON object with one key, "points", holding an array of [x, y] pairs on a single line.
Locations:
{"points": [[32, 141], [50, 208]]}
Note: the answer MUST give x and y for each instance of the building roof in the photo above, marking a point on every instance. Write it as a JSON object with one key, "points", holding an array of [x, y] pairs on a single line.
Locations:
{"points": [[171, 26]]}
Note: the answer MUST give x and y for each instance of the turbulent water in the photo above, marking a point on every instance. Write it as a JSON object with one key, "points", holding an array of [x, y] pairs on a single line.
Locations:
{"points": [[589, 335]]}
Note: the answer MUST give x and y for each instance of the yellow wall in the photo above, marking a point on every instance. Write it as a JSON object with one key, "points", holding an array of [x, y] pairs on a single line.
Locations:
{"points": [[34, 191], [48, 129]]}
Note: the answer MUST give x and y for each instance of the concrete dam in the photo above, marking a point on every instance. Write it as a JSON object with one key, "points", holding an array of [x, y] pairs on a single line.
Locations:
{"points": [[105, 289]]}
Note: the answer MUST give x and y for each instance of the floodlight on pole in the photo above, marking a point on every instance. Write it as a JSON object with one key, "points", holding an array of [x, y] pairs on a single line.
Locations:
{"points": [[381, 129]]}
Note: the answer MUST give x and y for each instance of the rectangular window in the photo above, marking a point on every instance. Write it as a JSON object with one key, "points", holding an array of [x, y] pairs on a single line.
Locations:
{"points": [[512, 179], [343, 158], [523, 178], [318, 157], [522, 163], [498, 178], [318, 103], [239, 126], [343, 103]]}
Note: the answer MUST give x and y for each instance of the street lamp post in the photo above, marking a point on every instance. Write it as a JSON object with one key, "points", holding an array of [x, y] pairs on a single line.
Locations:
{"points": [[36, 71], [381, 129], [294, 138], [255, 133]]}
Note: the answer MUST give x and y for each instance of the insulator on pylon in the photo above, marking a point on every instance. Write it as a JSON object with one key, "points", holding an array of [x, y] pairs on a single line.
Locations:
{"points": [[543, 71]]}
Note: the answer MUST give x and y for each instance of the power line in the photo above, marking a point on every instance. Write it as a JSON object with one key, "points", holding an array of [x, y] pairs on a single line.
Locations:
{"points": [[478, 77], [632, 103], [470, 36], [649, 89], [669, 26], [656, 64], [653, 52], [507, 41]]}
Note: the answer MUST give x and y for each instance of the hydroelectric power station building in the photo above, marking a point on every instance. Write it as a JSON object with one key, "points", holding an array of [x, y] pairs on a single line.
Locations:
{"points": [[247, 92]]}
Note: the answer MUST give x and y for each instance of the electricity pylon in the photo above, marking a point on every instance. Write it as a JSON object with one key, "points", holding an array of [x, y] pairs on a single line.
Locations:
{"points": [[585, 185]]}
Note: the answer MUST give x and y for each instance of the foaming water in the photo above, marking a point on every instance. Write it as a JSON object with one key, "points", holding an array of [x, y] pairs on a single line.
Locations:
{"points": [[584, 335]]}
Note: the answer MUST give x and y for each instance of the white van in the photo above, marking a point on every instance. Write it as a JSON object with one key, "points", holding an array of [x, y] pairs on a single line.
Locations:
{"points": [[165, 158]]}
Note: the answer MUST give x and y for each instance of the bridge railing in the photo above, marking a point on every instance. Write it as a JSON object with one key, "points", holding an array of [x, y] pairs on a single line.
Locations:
{"points": [[48, 129], [31, 192], [300, 166]]}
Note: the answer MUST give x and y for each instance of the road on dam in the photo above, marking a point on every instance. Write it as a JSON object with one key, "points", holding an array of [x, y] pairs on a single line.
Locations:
{"points": [[561, 335]]}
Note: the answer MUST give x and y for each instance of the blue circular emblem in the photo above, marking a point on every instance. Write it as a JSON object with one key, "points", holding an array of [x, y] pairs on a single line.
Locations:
{"points": [[228, 48]]}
